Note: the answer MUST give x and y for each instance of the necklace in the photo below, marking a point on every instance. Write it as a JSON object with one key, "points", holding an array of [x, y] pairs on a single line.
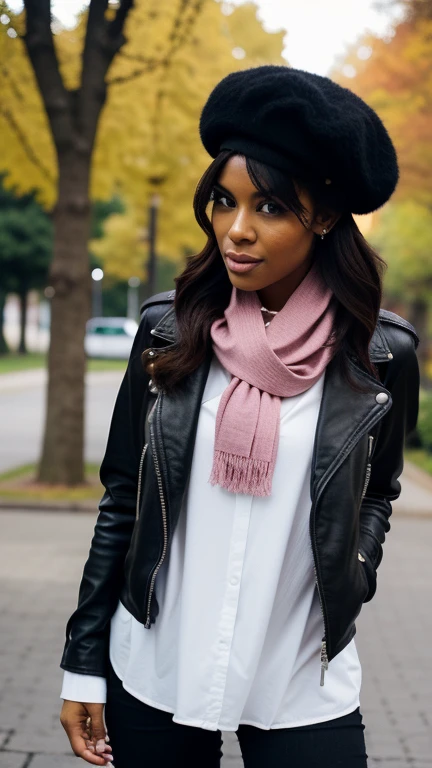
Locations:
{"points": [[269, 312]]}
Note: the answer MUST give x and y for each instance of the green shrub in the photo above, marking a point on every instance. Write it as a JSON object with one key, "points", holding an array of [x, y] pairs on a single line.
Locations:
{"points": [[424, 425]]}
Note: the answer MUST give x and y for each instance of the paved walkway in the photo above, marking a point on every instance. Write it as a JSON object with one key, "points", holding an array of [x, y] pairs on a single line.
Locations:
{"points": [[41, 558], [416, 495], [38, 377], [22, 409]]}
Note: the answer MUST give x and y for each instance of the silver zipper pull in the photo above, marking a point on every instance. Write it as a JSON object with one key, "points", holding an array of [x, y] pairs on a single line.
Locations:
{"points": [[324, 661], [153, 409], [368, 467], [140, 471]]}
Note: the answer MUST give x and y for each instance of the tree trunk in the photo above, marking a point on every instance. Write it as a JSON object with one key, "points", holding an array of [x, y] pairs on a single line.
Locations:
{"points": [[418, 316], [4, 349], [73, 117], [23, 301], [152, 263], [62, 458]]}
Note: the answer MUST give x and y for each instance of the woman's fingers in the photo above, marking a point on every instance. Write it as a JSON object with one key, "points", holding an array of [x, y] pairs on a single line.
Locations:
{"points": [[85, 727], [86, 750], [98, 732]]}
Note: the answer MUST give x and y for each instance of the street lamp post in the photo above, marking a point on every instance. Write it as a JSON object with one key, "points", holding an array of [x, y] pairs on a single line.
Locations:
{"points": [[97, 276], [133, 298], [155, 202]]}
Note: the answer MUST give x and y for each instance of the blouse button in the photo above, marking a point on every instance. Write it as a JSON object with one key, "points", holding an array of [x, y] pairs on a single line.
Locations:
{"points": [[381, 398]]}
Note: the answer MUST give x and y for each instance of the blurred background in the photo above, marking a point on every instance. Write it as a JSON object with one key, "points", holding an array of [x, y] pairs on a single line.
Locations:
{"points": [[99, 160]]}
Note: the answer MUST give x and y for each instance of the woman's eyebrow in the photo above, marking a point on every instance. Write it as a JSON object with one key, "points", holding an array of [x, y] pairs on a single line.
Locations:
{"points": [[222, 189], [226, 191]]}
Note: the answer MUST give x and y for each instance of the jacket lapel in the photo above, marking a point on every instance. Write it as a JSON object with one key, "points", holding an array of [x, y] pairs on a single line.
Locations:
{"points": [[178, 421], [166, 328], [344, 417]]}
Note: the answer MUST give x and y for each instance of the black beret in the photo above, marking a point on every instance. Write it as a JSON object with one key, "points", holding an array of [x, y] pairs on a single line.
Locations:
{"points": [[307, 125]]}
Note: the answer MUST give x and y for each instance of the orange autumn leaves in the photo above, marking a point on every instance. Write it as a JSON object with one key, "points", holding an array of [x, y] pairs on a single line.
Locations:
{"points": [[396, 80]]}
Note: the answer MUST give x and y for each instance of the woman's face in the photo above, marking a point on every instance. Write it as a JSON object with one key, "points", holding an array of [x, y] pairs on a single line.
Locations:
{"points": [[249, 226]]}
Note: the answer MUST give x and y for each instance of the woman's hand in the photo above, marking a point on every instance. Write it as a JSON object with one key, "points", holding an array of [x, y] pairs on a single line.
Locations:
{"points": [[85, 727]]}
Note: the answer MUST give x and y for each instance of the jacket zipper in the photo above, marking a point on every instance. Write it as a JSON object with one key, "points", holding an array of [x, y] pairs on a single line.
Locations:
{"points": [[324, 661], [324, 656], [368, 467], [140, 469], [141, 464], [164, 520]]}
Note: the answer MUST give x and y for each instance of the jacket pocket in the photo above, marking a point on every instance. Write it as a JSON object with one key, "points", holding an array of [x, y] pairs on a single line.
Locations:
{"points": [[369, 575], [361, 561]]}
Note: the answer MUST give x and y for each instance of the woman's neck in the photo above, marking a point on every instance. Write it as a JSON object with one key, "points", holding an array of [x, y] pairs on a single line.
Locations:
{"points": [[275, 296]]}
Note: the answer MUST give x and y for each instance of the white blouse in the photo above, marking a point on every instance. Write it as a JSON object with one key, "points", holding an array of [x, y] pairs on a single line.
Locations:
{"points": [[238, 636]]}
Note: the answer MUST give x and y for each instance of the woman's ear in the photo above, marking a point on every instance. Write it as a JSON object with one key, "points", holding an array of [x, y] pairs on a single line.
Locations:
{"points": [[325, 219]]}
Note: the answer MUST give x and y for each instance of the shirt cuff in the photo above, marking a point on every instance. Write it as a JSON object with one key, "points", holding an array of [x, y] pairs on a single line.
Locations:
{"points": [[88, 689]]}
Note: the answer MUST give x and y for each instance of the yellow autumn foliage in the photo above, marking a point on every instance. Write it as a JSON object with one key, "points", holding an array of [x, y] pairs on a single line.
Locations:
{"points": [[148, 136], [124, 249]]}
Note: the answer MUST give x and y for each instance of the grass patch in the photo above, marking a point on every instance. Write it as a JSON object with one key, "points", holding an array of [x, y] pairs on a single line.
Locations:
{"points": [[106, 365], [19, 484], [18, 472], [14, 363], [420, 458]]}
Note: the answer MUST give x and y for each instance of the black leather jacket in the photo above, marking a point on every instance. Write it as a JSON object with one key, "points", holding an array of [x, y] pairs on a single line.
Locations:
{"points": [[357, 459]]}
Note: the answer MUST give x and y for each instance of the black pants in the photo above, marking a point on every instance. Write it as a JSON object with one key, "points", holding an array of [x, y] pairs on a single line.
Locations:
{"points": [[144, 737]]}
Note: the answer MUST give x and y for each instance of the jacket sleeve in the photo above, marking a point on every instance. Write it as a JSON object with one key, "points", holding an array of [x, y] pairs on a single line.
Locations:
{"points": [[402, 381], [87, 633]]}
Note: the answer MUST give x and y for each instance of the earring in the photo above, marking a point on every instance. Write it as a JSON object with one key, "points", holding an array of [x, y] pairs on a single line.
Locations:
{"points": [[324, 232]]}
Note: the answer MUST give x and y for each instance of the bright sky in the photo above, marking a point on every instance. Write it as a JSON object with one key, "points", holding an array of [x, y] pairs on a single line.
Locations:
{"points": [[319, 31]]}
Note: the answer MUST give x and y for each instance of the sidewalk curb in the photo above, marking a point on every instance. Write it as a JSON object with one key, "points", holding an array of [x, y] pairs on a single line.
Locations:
{"points": [[47, 506], [414, 473], [88, 508], [416, 514], [418, 475], [38, 377]]}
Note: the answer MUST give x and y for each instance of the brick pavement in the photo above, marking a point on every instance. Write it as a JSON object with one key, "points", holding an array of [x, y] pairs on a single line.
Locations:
{"points": [[41, 558]]}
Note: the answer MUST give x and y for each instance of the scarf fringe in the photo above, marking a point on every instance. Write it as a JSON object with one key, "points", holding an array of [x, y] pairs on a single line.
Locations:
{"points": [[240, 474]]}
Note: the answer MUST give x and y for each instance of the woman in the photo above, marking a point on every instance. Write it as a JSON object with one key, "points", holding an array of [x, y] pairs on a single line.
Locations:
{"points": [[253, 455]]}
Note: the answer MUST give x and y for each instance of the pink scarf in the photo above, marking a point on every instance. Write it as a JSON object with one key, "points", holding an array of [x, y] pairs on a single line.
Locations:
{"points": [[267, 363]]}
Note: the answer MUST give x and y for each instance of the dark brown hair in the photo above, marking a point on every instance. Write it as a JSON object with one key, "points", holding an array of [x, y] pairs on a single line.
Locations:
{"points": [[348, 264]]}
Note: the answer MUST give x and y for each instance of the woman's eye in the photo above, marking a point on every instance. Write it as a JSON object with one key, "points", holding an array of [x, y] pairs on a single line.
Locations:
{"points": [[227, 202], [272, 208], [223, 200]]}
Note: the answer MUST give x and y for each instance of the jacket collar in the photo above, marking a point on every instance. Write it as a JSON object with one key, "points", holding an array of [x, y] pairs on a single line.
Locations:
{"points": [[379, 350]]}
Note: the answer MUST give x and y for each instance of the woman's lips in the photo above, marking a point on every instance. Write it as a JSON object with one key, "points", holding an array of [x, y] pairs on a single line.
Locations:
{"points": [[245, 266]]}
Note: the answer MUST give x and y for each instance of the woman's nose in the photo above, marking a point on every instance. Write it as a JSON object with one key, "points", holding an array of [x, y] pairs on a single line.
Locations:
{"points": [[241, 228]]}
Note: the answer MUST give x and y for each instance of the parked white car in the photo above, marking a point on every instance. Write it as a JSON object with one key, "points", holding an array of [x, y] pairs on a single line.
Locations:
{"points": [[110, 337]]}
